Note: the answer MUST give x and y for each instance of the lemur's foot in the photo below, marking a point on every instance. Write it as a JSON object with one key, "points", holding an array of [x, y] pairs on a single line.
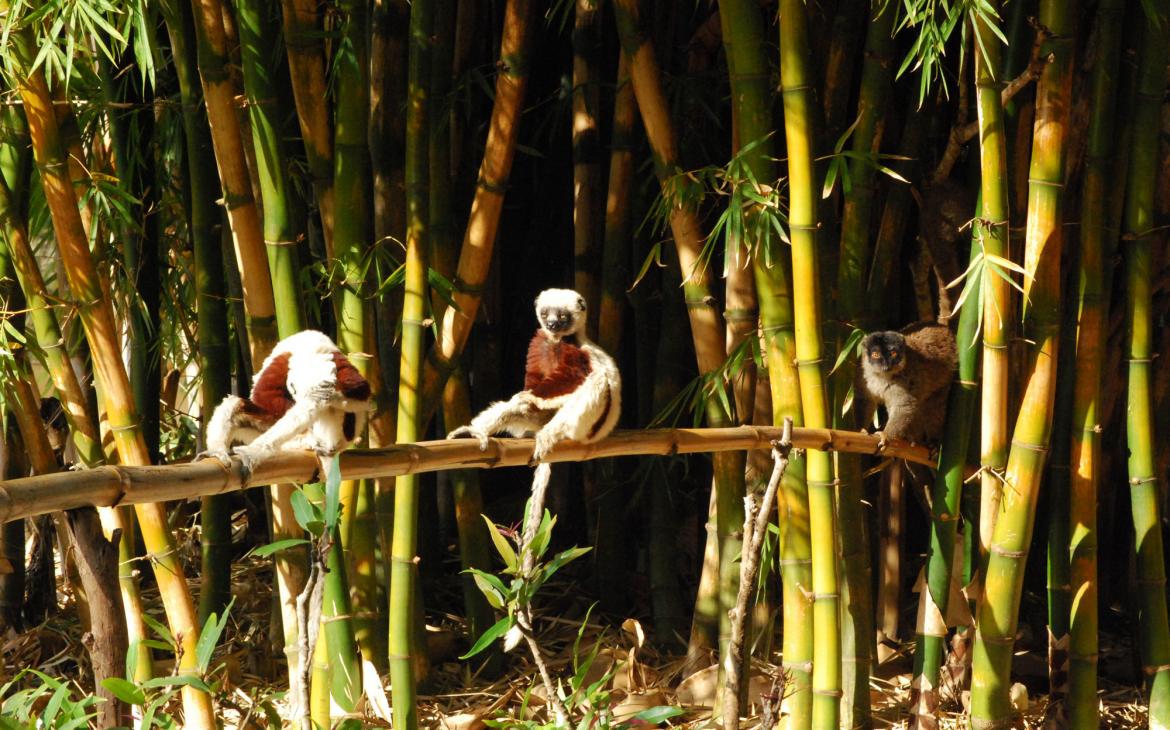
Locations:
{"points": [[223, 457], [468, 432], [883, 442]]}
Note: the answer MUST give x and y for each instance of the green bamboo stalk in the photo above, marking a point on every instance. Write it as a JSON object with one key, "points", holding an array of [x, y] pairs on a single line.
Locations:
{"points": [[98, 321], [795, 82], [282, 230], [1093, 274], [1138, 228], [351, 242], [139, 241], [280, 226], [996, 305], [743, 39], [855, 558], [404, 596], [946, 498], [210, 300], [999, 610]]}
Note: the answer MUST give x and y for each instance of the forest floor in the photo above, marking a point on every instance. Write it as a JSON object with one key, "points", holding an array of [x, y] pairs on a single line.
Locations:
{"points": [[622, 666]]}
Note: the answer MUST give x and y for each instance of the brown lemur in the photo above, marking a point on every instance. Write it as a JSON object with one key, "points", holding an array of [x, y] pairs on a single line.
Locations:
{"points": [[910, 373]]}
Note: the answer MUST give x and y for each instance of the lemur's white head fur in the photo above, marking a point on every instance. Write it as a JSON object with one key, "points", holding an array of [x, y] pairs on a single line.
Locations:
{"points": [[561, 312]]}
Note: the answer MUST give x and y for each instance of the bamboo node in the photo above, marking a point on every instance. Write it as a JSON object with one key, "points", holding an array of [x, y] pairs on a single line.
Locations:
{"points": [[1138, 481], [338, 617], [827, 692], [1004, 552], [825, 596], [465, 286], [998, 640], [279, 244], [405, 561], [491, 186], [1152, 670], [1047, 183], [1038, 448], [777, 328], [798, 666]]}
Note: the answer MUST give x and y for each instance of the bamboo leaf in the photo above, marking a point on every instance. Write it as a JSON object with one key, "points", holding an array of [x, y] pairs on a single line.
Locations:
{"points": [[494, 632], [502, 546], [124, 690], [264, 551], [492, 587], [209, 637], [848, 349]]}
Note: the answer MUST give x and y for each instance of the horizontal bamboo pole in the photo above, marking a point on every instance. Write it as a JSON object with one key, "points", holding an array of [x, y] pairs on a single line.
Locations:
{"points": [[108, 486]]}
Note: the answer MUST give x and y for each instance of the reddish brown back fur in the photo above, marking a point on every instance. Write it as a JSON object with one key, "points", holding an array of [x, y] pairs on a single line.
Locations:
{"points": [[554, 368], [350, 382], [270, 398]]}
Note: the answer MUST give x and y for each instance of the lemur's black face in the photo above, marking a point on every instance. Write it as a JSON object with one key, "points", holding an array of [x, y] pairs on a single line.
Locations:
{"points": [[884, 352], [556, 320], [560, 314]]}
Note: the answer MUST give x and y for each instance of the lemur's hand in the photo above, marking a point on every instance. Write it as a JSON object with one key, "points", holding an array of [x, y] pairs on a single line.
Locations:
{"points": [[469, 432]]}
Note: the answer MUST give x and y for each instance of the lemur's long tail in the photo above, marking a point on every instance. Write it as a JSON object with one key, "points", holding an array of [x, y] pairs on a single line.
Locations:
{"points": [[540, 479]]}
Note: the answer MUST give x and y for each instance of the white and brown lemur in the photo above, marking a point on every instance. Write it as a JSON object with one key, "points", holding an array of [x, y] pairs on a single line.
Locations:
{"points": [[307, 395], [572, 388], [909, 372]]}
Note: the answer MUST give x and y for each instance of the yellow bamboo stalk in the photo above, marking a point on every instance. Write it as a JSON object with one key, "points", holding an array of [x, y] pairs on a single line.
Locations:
{"points": [[479, 239], [97, 317], [243, 217], [306, 65]]}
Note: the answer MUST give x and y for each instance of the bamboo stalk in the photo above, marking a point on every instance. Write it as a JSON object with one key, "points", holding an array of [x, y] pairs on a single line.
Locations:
{"points": [[98, 321], [243, 218], [706, 327], [615, 255], [587, 192], [404, 597], [1139, 228], [109, 485], [306, 64], [795, 81], [996, 305], [479, 238], [352, 238], [946, 498], [998, 612], [1094, 271]]}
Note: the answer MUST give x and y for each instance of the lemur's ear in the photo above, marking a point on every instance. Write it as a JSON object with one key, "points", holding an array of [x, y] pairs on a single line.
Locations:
{"points": [[581, 303]]}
